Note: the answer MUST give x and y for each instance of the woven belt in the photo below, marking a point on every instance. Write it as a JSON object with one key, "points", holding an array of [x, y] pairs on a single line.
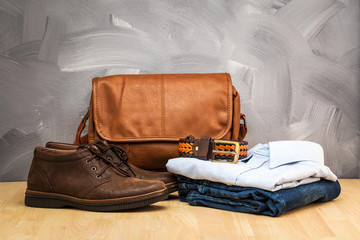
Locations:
{"points": [[211, 149]]}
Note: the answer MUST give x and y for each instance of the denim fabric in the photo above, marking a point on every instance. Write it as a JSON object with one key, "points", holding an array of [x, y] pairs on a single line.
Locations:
{"points": [[254, 200]]}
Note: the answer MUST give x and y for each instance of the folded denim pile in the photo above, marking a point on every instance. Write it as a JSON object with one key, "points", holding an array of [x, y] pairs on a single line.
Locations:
{"points": [[273, 179]]}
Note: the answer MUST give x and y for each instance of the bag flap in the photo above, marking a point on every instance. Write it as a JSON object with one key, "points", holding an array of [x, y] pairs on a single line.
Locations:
{"points": [[162, 107]]}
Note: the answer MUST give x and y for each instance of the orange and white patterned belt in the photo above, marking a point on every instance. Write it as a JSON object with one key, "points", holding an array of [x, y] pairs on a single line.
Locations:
{"points": [[206, 148]]}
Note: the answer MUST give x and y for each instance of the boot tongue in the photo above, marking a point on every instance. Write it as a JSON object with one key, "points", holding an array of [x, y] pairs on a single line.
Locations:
{"points": [[101, 144]]}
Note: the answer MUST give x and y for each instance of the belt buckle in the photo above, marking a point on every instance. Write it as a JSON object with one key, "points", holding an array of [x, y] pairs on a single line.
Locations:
{"points": [[236, 151]]}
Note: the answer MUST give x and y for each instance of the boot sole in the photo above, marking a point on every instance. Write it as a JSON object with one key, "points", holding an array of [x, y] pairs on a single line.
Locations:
{"points": [[59, 201], [172, 187]]}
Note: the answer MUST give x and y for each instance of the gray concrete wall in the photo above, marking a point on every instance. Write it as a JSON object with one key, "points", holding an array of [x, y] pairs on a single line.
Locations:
{"points": [[295, 64]]}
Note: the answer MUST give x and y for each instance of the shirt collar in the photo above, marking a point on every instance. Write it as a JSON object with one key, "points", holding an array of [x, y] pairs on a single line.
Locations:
{"points": [[284, 152]]}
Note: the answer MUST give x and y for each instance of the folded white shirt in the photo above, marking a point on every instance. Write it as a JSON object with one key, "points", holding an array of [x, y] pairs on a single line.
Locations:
{"points": [[272, 166]]}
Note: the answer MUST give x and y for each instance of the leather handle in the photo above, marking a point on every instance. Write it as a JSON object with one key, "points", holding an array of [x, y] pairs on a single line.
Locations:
{"points": [[78, 138]]}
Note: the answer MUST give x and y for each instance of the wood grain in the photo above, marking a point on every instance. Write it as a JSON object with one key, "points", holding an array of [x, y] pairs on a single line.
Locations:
{"points": [[172, 219]]}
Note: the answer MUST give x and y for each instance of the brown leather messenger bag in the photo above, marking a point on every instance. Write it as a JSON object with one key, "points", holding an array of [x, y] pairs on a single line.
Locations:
{"points": [[148, 114]]}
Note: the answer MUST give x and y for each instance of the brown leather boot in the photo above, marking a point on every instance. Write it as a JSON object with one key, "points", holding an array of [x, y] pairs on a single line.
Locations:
{"points": [[119, 157], [84, 178]]}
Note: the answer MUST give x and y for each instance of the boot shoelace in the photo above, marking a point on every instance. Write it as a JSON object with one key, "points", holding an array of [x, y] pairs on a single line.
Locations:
{"points": [[96, 154], [122, 155]]}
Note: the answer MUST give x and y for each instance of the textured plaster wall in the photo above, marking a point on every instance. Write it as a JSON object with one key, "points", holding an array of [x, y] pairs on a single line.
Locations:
{"points": [[295, 64]]}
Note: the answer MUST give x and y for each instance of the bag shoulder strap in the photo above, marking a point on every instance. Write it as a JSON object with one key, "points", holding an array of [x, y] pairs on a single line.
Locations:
{"points": [[78, 138], [243, 127]]}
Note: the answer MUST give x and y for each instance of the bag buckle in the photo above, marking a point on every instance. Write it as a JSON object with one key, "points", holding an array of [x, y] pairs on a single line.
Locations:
{"points": [[235, 153]]}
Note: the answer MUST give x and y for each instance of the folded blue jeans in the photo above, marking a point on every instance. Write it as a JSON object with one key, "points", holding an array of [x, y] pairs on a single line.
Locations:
{"points": [[254, 200]]}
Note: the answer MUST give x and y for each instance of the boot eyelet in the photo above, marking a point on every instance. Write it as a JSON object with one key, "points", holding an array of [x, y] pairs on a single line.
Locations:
{"points": [[93, 169], [109, 158], [87, 160], [98, 176]]}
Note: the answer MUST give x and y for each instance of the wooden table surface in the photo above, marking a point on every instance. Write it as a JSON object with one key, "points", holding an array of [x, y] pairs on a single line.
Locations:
{"points": [[172, 219]]}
